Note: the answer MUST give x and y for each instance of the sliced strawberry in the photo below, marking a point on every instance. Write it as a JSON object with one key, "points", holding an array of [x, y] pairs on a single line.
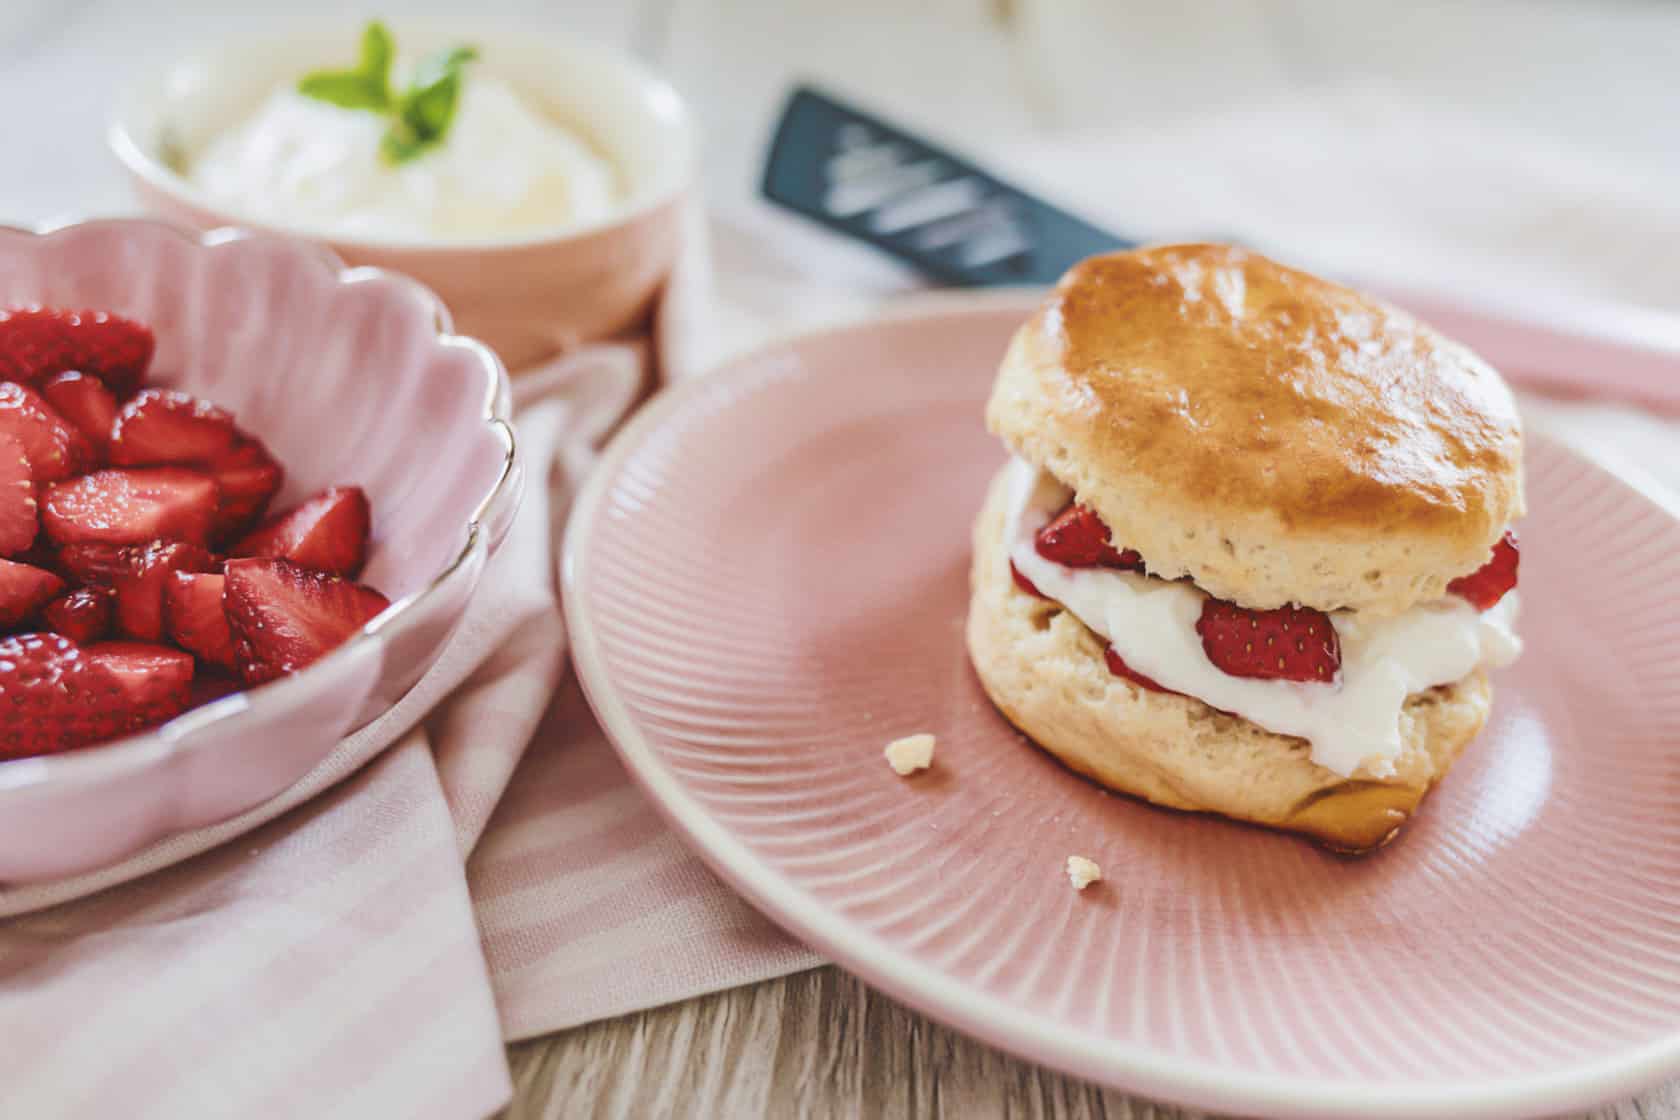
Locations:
{"points": [[154, 683], [284, 617], [54, 447], [132, 507], [82, 615], [1289, 643], [86, 403], [1024, 583], [192, 610], [36, 343], [327, 533], [247, 478], [1077, 538], [24, 590], [160, 427], [96, 565], [140, 590], [46, 697], [1119, 668], [55, 695], [20, 515], [1488, 584]]}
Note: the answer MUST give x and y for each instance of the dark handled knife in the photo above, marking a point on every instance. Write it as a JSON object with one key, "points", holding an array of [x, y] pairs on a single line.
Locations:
{"points": [[859, 175]]}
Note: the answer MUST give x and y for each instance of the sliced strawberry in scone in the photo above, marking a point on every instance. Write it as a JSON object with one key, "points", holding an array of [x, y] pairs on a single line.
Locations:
{"points": [[194, 618], [153, 684], [20, 516], [327, 533], [162, 427], [1118, 666], [1288, 643], [247, 478], [85, 402], [36, 343], [1024, 583], [132, 506], [1488, 584], [1077, 538], [56, 695], [82, 615], [284, 617], [140, 589], [54, 447], [24, 590]]}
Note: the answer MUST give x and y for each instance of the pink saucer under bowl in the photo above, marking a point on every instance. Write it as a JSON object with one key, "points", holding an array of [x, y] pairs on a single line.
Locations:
{"points": [[766, 581], [350, 376]]}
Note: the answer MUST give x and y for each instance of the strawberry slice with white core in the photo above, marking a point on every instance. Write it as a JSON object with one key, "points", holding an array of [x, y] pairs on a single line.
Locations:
{"points": [[284, 617], [131, 506], [327, 533], [20, 517], [54, 447], [24, 590]]}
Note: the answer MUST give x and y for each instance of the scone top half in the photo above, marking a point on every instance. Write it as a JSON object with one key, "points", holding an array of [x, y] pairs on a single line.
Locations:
{"points": [[1275, 437]]}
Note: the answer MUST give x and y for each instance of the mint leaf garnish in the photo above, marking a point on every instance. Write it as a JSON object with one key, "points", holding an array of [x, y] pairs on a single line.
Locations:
{"points": [[420, 115], [427, 107], [345, 89], [377, 51], [367, 85]]}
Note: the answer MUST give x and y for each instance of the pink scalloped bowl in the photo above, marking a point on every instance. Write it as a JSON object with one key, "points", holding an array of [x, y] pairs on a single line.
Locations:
{"points": [[349, 376]]}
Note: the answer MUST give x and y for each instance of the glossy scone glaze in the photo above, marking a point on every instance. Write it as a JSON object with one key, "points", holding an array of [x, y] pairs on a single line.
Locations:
{"points": [[1045, 670], [1275, 437]]}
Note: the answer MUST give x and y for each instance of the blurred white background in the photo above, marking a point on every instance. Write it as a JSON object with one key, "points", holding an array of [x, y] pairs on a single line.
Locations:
{"points": [[1500, 147]]}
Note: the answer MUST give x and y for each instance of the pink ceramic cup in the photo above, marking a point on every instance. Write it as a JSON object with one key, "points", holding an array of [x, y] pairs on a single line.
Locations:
{"points": [[529, 295]]}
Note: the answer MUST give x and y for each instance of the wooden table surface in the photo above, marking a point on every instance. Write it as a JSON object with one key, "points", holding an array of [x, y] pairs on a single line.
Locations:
{"points": [[820, 1043]]}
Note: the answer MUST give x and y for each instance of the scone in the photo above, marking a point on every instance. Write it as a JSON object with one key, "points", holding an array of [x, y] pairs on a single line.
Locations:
{"points": [[1253, 554]]}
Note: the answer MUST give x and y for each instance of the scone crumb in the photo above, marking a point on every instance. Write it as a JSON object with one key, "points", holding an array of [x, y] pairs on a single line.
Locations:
{"points": [[1082, 872], [910, 754]]}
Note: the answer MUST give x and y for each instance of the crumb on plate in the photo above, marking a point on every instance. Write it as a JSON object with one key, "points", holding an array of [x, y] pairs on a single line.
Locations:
{"points": [[1082, 872], [909, 754]]}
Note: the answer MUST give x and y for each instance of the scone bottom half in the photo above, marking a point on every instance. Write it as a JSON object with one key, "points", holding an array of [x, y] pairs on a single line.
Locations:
{"points": [[1048, 675]]}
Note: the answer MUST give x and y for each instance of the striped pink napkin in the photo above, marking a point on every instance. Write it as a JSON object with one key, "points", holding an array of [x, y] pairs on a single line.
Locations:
{"points": [[444, 881]]}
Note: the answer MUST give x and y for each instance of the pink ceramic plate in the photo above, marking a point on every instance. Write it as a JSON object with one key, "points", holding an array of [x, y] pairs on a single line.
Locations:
{"points": [[766, 581]]}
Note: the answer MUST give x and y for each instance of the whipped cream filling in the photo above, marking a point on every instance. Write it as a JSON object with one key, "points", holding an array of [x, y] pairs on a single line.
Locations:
{"points": [[1352, 723], [503, 168]]}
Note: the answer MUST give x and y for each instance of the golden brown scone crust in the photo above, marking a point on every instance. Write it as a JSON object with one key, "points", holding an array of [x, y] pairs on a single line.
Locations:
{"points": [[1045, 671], [1276, 437]]}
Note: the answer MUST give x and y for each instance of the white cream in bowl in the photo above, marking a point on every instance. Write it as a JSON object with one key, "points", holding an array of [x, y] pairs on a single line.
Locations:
{"points": [[504, 168]]}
